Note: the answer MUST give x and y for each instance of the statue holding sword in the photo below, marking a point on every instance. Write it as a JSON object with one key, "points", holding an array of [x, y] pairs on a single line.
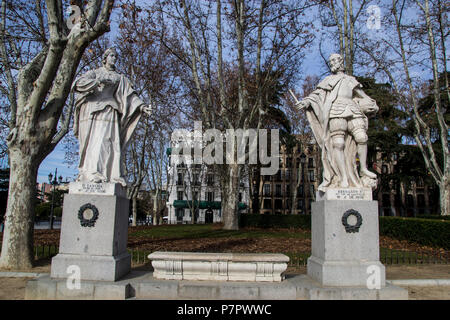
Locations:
{"points": [[337, 111]]}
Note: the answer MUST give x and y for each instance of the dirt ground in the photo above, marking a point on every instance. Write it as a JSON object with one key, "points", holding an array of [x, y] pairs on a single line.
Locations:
{"points": [[14, 288]]}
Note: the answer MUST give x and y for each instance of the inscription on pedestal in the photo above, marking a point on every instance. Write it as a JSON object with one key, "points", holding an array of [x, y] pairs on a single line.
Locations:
{"points": [[104, 189], [92, 188], [345, 194]]}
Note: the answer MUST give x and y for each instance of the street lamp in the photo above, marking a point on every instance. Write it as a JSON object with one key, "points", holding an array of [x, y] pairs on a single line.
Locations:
{"points": [[303, 161], [53, 182]]}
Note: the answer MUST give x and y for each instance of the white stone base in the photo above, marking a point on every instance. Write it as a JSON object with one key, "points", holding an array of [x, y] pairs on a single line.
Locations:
{"points": [[343, 273], [142, 285], [100, 268], [219, 266], [99, 248], [340, 257]]}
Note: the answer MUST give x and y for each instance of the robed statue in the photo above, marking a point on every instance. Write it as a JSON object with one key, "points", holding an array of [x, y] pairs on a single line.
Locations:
{"points": [[337, 111], [107, 110]]}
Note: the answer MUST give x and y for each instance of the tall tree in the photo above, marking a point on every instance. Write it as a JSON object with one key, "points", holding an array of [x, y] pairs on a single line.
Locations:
{"points": [[408, 52], [39, 83], [156, 76], [345, 17], [235, 36]]}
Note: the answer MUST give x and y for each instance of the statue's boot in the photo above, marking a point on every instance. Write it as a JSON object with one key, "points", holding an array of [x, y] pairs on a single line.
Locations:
{"points": [[119, 180], [98, 178], [367, 173]]}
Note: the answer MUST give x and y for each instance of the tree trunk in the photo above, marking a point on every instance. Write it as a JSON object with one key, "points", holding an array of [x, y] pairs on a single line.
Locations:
{"points": [[294, 189], [134, 210], [156, 208], [444, 194], [19, 225], [230, 199]]}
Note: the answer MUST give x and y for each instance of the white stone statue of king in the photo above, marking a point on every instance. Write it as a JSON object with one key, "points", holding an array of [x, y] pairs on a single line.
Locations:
{"points": [[344, 222], [337, 112]]}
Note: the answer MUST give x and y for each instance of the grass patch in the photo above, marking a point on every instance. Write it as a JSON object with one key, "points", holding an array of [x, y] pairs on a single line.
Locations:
{"points": [[198, 231]]}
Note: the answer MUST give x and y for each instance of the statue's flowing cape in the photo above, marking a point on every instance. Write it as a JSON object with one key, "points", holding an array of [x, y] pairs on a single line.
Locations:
{"points": [[111, 119], [321, 101]]}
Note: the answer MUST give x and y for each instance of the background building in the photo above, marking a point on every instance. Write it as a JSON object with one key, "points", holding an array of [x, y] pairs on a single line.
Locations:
{"points": [[292, 189], [194, 193]]}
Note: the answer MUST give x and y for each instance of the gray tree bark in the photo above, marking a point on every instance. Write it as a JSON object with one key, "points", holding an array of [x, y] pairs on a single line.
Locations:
{"points": [[43, 87]]}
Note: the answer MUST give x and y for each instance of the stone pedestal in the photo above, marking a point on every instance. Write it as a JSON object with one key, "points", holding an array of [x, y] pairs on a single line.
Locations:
{"points": [[345, 244], [94, 233]]}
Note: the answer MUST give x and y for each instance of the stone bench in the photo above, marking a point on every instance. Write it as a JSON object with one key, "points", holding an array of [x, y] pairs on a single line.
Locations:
{"points": [[219, 266]]}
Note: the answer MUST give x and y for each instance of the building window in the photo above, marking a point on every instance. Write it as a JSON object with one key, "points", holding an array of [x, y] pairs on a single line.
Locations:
{"points": [[386, 198], [278, 190], [300, 191], [180, 195], [210, 196], [420, 183], [289, 162], [421, 200], [267, 203], [179, 213], [278, 204], [195, 179], [210, 179], [410, 201], [180, 179], [311, 175], [288, 190], [288, 174], [310, 162], [278, 175], [240, 196], [300, 204], [195, 195], [267, 190]]}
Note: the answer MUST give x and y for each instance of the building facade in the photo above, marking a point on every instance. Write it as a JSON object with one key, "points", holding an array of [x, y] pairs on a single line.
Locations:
{"points": [[411, 198], [194, 193], [293, 188]]}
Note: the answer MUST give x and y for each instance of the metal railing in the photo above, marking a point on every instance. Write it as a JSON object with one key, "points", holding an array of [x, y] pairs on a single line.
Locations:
{"points": [[387, 256]]}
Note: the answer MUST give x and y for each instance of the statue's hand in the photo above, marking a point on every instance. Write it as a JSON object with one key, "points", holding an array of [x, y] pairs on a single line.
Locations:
{"points": [[302, 104], [104, 80], [369, 107], [147, 110]]}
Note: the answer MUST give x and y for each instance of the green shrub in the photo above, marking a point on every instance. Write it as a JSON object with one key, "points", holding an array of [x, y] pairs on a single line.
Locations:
{"points": [[437, 217], [42, 210], [57, 212], [423, 231]]}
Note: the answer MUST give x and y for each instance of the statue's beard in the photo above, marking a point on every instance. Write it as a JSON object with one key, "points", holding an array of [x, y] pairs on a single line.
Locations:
{"points": [[337, 67], [110, 67]]}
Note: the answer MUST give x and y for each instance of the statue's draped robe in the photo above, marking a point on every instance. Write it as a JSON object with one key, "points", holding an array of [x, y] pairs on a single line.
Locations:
{"points": [[318, 115], [105, 117]]}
